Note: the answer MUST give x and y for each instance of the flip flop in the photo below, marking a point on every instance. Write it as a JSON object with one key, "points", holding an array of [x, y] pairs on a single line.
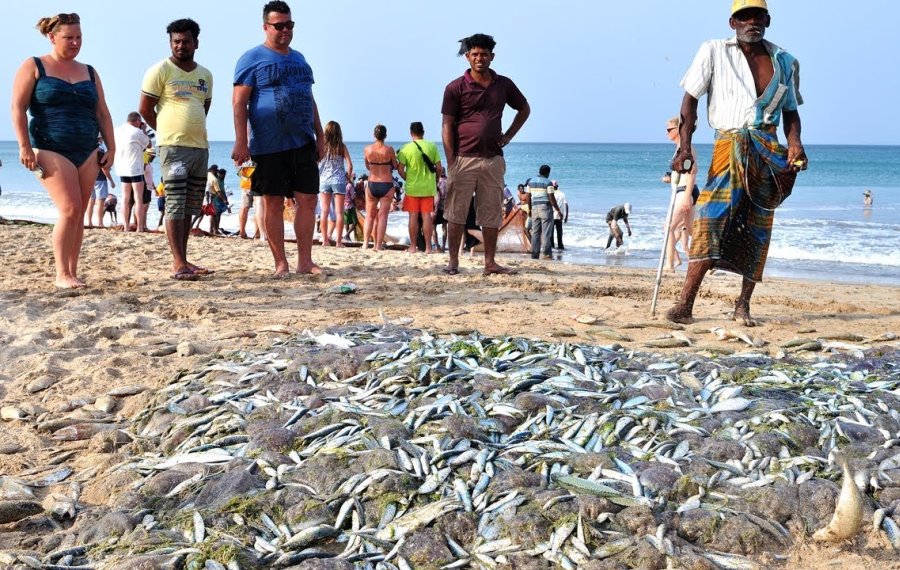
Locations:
{"points": [[202, 271], [451, 270], [184, 275]]}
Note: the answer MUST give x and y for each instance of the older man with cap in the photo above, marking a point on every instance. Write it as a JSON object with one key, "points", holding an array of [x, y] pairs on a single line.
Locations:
{"points": [[751, 85]]}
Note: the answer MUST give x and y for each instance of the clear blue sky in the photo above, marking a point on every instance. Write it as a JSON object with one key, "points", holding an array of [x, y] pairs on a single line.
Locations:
{"points": [[593, 71]]}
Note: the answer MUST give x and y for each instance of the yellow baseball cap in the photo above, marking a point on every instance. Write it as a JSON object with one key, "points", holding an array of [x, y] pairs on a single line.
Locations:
{"points": [[738, 5]]}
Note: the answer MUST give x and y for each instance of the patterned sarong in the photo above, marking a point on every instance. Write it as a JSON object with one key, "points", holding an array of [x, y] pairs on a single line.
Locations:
{"points": [[748, 179]]}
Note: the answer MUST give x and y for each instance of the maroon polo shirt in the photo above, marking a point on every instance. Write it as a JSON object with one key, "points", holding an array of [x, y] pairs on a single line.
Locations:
{"points": [[479, 112]]}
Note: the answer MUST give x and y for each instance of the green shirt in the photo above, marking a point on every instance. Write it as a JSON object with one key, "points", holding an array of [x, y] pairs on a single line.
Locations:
{"points": [[420, 182]]}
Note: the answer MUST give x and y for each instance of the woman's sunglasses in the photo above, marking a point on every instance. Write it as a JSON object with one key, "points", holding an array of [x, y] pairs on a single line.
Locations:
{"points": [[280, 26]]}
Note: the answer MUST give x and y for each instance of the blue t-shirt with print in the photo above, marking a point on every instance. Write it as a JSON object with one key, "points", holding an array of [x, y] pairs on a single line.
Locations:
{"points": [[281, 104]]}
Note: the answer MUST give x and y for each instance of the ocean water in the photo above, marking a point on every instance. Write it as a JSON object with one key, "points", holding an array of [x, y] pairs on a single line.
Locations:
{"points": [[820, 232]]}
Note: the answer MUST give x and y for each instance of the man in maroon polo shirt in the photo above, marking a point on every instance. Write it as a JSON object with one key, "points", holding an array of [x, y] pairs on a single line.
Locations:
{"points": [[473, 137]]}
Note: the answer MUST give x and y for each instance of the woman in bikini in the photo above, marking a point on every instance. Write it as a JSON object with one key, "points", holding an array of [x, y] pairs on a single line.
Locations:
{"points": [[682, 215], [381, 160], [68, 110]]}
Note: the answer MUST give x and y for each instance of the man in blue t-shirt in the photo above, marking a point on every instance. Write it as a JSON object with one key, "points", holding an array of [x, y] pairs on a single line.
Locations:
{"points": [[273, 93]]}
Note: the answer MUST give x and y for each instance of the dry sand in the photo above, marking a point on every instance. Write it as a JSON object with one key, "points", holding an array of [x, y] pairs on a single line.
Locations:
{"points": [[91, 340]]}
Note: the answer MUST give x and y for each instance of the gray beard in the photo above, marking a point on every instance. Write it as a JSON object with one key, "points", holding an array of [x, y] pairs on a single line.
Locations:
{"points": [[744, 38]]}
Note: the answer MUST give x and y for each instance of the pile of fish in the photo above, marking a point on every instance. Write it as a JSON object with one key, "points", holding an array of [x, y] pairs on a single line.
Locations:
{"points": [[382, 447]]}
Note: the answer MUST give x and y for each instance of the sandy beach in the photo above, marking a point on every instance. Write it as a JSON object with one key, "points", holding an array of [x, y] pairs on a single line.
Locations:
{"points": [[60, 346]]}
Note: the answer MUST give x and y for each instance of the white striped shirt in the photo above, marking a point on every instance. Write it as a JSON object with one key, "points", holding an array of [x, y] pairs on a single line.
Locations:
{"points": [[720, 70]]}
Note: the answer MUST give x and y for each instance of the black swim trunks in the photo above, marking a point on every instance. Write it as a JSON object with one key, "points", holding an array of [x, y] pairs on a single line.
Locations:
{"points": [[286, 172]]}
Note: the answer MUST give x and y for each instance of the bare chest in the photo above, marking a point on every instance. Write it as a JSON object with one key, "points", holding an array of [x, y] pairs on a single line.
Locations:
{"points": [[762, 69]]}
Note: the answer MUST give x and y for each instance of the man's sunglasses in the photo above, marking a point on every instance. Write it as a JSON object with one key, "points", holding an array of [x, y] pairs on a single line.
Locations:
{"points": [[280, 26]]}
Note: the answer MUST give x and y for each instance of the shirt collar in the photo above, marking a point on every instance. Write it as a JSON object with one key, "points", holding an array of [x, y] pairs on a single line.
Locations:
{"points": [[770, 47], [467, 76]]}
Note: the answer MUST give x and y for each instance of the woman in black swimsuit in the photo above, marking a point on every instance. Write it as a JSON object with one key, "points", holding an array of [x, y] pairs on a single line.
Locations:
{"points": [[68, 110], [682, 215], [381, 161]]}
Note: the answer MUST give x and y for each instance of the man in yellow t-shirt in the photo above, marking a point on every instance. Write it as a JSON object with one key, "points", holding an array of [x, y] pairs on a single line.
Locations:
{"points": [[175, 99]]}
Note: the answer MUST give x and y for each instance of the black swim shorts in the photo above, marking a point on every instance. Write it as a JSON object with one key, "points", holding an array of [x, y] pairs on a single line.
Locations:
{"points": [[286, 172]]}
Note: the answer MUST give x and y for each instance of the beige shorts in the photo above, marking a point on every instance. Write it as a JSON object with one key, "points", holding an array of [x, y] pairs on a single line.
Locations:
{"points": [[482, 177]]}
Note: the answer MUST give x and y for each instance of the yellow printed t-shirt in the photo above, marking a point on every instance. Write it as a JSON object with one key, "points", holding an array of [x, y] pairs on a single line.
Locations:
{"points": [[181, 117]]}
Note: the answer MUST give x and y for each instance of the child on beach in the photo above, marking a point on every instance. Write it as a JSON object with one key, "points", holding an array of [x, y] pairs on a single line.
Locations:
{"points": [[350, 218], [109, 207], [161, 202], [220, 202]]}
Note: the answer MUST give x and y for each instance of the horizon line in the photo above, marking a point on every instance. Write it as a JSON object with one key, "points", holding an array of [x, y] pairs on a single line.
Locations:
{"points": [[897, 144]]}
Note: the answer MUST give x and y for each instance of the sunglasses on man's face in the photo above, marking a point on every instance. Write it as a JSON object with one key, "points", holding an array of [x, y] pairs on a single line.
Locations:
{"points": [[670, 129], [280, 26]]}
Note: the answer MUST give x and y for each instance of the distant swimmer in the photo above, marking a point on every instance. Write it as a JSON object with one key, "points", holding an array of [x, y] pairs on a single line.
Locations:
{"points": [[867, 199], [612, 220]]}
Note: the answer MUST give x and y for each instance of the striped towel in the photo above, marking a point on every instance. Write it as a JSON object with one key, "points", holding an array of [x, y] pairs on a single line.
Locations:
{"points": [[748, 179]]}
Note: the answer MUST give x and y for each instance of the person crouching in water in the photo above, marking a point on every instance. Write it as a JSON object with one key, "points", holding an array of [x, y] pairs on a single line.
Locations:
{"points": [[612, 220]]}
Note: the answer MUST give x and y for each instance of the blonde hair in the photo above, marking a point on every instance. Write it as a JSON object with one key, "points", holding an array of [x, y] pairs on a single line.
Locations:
{"points": [[674, 121], [49, 23], [334, 139]]}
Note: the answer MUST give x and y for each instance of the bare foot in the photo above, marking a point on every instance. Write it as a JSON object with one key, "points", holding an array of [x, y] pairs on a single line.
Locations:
{"points": [[339, 244], [244, 235], [670, 269], [742, 315], [312, 269], [451, 270], [282, 270], [412, 249], [680, 314], [428, 251], [68, 282], [495, 268]]}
